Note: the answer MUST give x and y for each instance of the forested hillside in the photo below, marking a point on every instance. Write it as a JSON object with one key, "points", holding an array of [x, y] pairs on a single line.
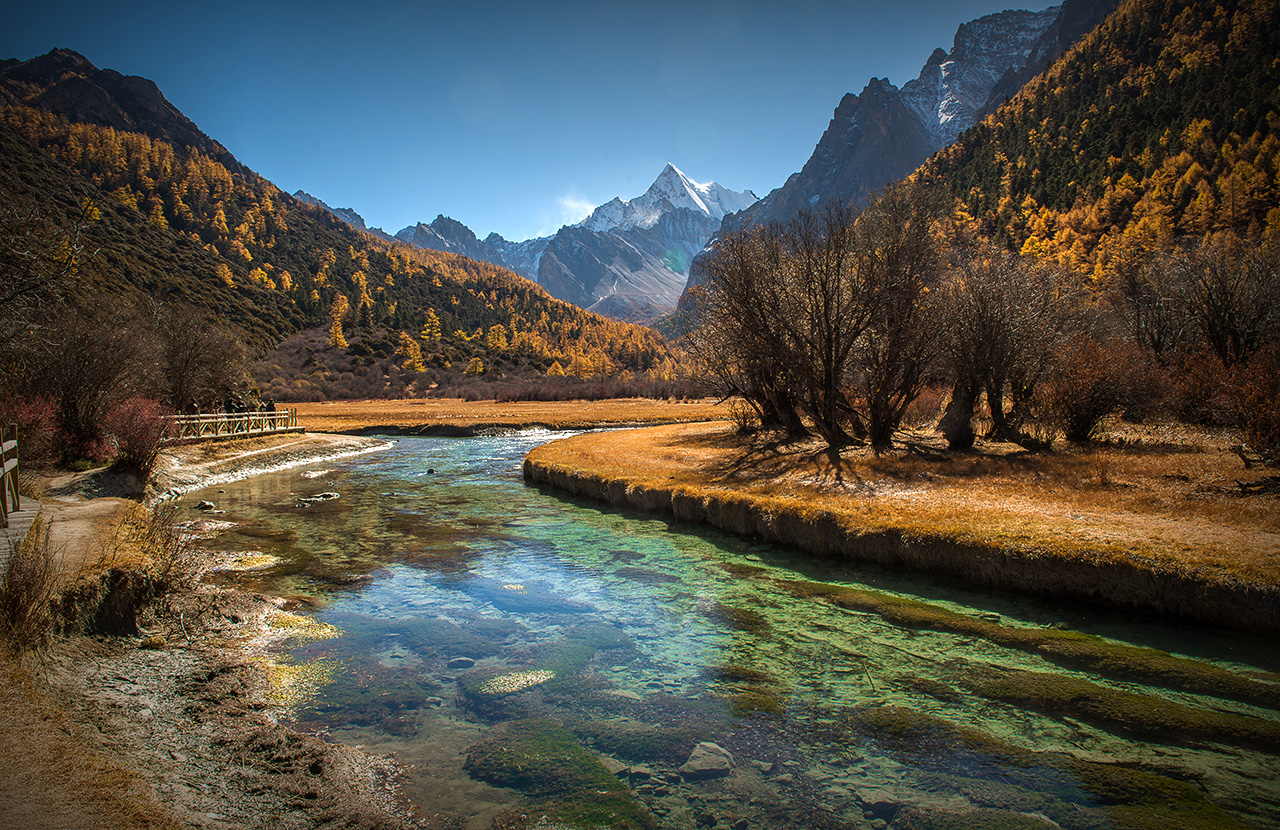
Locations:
{"points": [[1161, 124], [140, 269]]}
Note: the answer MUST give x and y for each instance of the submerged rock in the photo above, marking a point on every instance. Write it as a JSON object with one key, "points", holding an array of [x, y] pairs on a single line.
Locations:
{"points": [[318, 498], [879, 801], [708, 760]]}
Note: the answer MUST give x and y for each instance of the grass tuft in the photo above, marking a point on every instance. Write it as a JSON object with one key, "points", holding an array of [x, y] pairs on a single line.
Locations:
{"points": [[28, 591]]}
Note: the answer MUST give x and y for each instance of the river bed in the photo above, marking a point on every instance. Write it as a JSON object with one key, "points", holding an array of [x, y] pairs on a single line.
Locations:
{"points": [[537, 660]]}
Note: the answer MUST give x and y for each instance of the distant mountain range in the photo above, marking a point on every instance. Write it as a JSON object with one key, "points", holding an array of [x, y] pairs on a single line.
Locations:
{"points": [[172, 219], [629, 259]]}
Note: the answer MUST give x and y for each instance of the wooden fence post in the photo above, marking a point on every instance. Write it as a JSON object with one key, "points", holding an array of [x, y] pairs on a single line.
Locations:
{"points": [[9, 473]]}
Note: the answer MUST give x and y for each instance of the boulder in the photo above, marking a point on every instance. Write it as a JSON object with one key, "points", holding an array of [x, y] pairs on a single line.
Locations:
{"points": [[707, 760], [883, 803]]}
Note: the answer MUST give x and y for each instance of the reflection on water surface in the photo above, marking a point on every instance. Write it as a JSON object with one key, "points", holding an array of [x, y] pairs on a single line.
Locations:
{"points": [[544, 662]]}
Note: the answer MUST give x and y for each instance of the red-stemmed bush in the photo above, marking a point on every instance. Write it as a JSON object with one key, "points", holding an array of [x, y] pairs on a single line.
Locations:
{"points": [[137, 426], [36, 417]]}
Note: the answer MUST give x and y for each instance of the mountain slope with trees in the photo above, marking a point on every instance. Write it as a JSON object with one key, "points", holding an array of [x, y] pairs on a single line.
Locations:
{"points": [[1161, 124], [141, 232], [1108, 241]]}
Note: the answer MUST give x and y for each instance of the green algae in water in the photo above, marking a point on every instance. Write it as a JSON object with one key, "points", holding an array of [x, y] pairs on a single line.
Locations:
{"points": [[1074, 793], [543, 759], [1151, 717], [1068, 648]]}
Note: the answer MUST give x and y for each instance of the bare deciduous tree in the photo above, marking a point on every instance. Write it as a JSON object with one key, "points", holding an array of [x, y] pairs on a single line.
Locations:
{"points": [[200, 361], [796, 318], [897, 255], [1230, 290], [1005, 314]]}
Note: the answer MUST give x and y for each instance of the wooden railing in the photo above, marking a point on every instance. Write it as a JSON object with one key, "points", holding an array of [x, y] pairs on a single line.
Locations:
{"points": [[9, 500], [232, 424]]}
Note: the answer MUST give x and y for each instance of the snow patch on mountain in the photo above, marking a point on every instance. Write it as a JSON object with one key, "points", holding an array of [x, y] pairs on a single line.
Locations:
{"points": [[954, 85], [672, 190]]}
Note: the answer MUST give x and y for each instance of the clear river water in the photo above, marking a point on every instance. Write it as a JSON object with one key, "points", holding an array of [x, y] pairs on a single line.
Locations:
{"points": [[542, 661]]}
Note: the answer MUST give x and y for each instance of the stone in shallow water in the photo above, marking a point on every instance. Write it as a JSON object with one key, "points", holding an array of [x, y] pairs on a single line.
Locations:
{"points": [[708, 760], [461, 663], [515, 681], [881, 802]]}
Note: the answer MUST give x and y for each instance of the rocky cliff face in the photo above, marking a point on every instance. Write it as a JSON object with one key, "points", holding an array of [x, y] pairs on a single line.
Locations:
{"points": [[953, 86], [521, 257], [1076, 19], [66, 83], [451, 236], [883, 134]]}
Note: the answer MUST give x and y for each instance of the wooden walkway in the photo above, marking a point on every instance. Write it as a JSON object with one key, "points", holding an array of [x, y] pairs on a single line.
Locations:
{"points": [[20, 522], [231, 425]]}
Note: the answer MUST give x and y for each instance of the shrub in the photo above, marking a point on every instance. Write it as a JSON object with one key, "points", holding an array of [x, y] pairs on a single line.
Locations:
{"points": [[137, 425], [37, 419], [1202, 390], [1256, 395], [27, 592], [1088, 380]]}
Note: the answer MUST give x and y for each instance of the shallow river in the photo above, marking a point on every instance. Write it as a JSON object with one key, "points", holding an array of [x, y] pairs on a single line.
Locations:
{"points": [[542, 661]]}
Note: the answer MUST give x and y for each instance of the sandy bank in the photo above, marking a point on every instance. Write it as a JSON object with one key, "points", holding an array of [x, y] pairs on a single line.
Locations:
{"points": [[1203, 556]]}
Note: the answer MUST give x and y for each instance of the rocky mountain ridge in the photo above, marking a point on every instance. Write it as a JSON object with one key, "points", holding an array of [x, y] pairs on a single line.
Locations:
{"points": [[629, 259], [672, 190], [884, 133], [66, 83], [347, 215]]}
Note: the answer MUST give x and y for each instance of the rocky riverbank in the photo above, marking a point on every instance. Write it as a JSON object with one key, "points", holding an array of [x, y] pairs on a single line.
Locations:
{"points": [[155, 709], [186, 467]]}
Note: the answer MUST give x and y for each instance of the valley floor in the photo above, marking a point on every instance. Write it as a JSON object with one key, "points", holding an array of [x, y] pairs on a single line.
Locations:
{"points": [[171, 726], [455, 416]]}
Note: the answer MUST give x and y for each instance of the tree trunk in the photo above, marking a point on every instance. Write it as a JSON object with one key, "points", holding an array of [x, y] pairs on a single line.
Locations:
{"points": [[956, 423]]}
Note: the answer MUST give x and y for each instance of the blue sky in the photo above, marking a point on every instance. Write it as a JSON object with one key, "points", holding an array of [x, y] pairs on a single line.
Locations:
{"points": [[514, 117]]}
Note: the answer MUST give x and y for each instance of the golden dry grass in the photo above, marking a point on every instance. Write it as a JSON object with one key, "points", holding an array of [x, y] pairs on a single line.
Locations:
{"points": [[410, 415], [54, 776], [1160, 499]]}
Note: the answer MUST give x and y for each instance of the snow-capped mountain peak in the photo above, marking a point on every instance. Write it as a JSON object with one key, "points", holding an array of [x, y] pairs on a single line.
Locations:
{"points": [[672, 190]]}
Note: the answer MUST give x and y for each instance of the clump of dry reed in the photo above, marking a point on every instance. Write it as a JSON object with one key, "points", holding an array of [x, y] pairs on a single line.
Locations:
{"points": [[149, 541], [27, 592]]}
